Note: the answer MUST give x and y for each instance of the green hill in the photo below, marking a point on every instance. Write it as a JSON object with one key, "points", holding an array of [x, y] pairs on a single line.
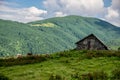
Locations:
{"points": [[54, 34], [67, 65]]}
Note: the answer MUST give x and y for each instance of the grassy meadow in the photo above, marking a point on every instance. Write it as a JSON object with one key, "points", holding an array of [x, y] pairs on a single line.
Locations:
{"points": [[66, 65]]}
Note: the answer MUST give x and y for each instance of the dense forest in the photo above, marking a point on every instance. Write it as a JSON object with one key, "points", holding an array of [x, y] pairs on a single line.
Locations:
{"points": [[54, 34]]}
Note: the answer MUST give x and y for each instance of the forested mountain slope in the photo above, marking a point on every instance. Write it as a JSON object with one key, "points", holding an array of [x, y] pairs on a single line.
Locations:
{"points": [[54, 34]]}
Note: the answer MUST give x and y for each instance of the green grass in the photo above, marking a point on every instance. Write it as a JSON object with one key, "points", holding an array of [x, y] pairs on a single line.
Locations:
{"points": [[65, 64]]}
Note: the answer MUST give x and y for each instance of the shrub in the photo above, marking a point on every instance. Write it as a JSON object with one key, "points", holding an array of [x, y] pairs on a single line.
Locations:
{"points": [[56, 77], [119, 49], [100, 75], [64, 54], [23, 60], [116, 74], [48, 56], [51, 77], [75, 76], [3, 77], [89, 55], [102, 53]]}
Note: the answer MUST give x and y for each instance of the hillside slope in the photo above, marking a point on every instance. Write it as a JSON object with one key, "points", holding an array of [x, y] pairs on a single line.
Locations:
{"points": [[78, 27], [54, 34], [70, 65]]}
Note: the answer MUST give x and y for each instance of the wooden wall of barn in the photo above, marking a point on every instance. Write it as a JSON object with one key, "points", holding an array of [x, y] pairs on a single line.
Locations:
{"points": [[90, 43]]}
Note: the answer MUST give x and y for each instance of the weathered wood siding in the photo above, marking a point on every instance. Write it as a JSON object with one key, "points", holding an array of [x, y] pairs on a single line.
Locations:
{"points": [[90, 43]]}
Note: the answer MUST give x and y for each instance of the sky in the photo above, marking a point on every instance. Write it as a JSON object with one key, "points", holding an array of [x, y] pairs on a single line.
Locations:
{"points": [[32, 10]]}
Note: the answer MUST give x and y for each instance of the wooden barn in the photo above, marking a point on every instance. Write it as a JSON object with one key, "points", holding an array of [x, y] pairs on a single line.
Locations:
{"points": [[91, 42]]}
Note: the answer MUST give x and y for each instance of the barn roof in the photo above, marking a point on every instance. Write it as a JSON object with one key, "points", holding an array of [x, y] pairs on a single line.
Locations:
{"points": [[89, 36]]}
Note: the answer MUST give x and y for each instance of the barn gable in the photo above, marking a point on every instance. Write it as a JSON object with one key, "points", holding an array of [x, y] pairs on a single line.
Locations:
{"points": [[91, 42]]}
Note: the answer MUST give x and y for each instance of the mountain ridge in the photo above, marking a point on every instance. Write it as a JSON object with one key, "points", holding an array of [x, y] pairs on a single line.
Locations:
{"points": [[71, 16], [16, 37]]}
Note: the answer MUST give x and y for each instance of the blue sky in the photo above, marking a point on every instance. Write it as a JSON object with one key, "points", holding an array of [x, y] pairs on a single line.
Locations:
{"points": [[107, 3], [31, 10], [27, 3], [38, 3]]}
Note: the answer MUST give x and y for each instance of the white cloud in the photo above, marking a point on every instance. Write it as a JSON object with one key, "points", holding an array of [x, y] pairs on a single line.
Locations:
{"points": [[21, 14], [94, 8], [59, 14], [3, 2], [113, 13], [60, 8], [116, 4], [75, 7], [36, 11]]}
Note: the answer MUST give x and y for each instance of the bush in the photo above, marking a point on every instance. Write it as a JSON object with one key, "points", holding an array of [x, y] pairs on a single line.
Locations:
{"points": [[119, 49], [82, 54], [116, 74], [75, 76], [89, 55], [64, 54], [56, 77], [102, 53], [100, 75], [23, 60], [3, 77]]}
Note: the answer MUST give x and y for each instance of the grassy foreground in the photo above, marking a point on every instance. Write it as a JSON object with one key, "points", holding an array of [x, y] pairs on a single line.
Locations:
{"points": [[68, 65]]}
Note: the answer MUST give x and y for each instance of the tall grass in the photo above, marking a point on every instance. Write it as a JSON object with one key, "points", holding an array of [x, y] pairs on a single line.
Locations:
{"points": [[3, 77], [82, 54], [22, 60]]}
